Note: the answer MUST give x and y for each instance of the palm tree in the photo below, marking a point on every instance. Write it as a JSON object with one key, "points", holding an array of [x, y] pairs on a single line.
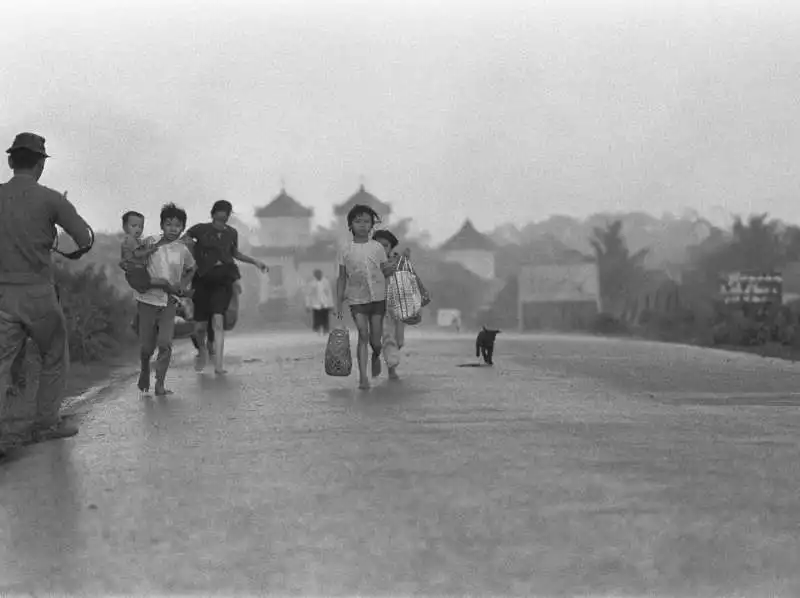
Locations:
{"points": [[754, 245], [619, 270]]}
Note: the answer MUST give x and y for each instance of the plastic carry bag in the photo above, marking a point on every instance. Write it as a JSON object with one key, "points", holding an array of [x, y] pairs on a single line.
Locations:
{"points": [[338, 356], [403, 295]]}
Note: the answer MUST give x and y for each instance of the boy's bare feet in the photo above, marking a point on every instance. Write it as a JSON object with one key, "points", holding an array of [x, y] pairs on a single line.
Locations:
{"points": [[393, 373], [161, 391], [200, 360], [144, 377], [364, 384], [221, 372], [376, 365]]}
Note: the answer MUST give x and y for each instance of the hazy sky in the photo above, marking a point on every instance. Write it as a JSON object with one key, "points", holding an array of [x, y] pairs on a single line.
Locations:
{"points": [[495, 110]]}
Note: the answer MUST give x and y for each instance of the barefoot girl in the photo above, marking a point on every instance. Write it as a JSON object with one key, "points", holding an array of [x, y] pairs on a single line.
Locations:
{"points": [[393, 329], [363, 267]]}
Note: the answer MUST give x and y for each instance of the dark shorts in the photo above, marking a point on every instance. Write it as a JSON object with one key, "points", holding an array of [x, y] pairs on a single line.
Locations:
{"points": [[210, 298], [376, 308], [138, 279]]}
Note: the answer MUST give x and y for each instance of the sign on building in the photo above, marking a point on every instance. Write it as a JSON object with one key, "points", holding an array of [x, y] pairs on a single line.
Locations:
{"points": [[739, 287]]}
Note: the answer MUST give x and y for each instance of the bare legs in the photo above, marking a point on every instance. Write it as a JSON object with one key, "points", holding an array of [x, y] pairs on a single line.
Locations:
{"points": [[392, 343], [218, 324], [375, 341], [201, 330], [370, 330]]}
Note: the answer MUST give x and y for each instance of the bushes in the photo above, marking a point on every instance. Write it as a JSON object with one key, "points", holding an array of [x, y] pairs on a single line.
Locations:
{"points": [[680, 325], [737, 329], [98, 318], [608, 324]]}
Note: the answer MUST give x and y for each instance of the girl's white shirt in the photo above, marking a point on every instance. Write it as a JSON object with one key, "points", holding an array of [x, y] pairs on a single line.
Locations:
{"points": [[365, 280]]}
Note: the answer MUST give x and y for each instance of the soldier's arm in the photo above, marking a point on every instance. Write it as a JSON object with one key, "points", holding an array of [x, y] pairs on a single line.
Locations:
{"points": [[67, 217]]}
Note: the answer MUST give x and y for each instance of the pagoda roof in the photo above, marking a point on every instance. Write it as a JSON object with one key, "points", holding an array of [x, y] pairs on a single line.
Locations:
{"points": [[468, 238], [284, 206], [363, 197]]}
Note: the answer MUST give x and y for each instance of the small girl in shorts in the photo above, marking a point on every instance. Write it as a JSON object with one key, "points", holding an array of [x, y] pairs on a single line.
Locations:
{"points": [[393, 329], [363, 268]]}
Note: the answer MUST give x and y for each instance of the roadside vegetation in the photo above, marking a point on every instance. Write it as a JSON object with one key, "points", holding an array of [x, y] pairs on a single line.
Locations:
{"points": [[650, 304]]}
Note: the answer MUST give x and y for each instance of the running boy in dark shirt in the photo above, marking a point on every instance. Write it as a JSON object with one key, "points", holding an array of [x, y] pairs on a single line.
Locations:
{"points": [[216, 250]]}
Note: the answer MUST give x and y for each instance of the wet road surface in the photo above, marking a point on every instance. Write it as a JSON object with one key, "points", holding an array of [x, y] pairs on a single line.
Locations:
{"points": [[574, 466]]}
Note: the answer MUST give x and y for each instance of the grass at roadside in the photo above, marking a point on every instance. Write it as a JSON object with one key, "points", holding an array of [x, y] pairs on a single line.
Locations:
{"points": [[83, 376], [769, 350]]}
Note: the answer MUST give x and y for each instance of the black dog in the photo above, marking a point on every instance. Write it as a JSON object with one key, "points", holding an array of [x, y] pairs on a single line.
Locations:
{"points": [[484, 344]]}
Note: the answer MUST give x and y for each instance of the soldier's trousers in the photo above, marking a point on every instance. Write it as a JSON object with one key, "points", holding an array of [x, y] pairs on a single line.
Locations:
{"points": [[30, 312]]}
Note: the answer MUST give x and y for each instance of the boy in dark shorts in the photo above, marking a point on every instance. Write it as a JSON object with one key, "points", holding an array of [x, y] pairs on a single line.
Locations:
{"points": [[216, 250]]}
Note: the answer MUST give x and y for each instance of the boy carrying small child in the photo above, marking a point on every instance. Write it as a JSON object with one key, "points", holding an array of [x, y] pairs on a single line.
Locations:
{"points": [[157, 308]]}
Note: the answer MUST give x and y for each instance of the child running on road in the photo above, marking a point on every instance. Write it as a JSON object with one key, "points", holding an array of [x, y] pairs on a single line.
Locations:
{"points": [[157, 308], [363, 268], [393, 329]]}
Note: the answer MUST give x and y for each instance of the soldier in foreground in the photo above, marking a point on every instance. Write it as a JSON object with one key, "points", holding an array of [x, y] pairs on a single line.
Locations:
{"points": [[29, 306]]}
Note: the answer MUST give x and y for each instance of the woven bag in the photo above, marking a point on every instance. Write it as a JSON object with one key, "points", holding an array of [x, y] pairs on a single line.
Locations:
{"points": [[338, 357]]}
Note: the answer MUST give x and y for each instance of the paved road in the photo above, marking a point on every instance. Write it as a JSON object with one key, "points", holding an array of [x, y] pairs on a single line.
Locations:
{"points": [[575, 466]]}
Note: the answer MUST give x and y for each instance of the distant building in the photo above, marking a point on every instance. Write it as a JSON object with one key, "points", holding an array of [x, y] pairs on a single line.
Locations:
{"points": [[251, 278], [558, 297], [362, 196], [473, 250], [284, 223], [285, 229], [319, 256]]}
